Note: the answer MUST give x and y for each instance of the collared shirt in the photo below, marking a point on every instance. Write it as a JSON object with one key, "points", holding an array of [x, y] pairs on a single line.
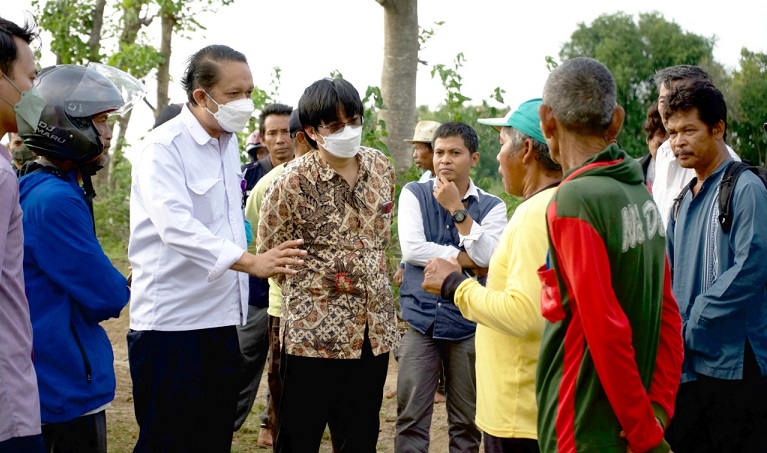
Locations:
{"points": [[343, 288], [719, 278], [187, 229], [427, 231], [479, 243], [20, 414], [670, 178], [425, 176]]}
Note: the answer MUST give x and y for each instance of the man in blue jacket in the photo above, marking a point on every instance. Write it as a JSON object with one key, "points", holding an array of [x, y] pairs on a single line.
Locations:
{"points": [[70, 283]]}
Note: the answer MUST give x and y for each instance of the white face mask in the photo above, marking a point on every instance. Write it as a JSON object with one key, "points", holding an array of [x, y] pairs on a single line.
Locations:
{"points": [[344, 143], [233, 116]]}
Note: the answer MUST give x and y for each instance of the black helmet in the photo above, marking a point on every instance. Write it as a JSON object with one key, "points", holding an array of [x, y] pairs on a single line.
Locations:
{"points": [[73, 94]]}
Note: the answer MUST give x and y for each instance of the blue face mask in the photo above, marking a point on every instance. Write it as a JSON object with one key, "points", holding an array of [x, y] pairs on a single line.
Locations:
{"points": [[28, 109]]}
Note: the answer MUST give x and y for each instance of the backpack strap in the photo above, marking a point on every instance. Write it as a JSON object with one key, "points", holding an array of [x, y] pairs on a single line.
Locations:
{"points": [[726, 188]]}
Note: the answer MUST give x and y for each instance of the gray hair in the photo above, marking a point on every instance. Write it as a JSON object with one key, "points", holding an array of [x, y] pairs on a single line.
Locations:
{"points": [[665, 76], [582, 94], [542, 155]]}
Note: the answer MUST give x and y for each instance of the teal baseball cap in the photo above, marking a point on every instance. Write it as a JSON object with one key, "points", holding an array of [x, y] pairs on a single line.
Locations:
{"points": [[525, 119]]}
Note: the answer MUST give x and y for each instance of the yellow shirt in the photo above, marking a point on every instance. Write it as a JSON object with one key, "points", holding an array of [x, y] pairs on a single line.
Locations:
{"points": [[509, 323], [252, 212]]}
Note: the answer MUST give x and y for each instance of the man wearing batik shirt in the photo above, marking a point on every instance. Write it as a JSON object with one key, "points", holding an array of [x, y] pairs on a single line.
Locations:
{"points": [[338, 321]]}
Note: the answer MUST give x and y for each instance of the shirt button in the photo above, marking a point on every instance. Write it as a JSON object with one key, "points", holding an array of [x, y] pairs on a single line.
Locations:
{"points": [[439, 304]]}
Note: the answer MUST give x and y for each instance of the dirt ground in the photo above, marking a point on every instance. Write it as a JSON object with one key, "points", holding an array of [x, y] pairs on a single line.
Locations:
{"points": [[122, 428]]}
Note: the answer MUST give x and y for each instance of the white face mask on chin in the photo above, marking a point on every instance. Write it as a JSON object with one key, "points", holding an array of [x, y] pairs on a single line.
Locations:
{"points": [[233, 116], [344, 143]]}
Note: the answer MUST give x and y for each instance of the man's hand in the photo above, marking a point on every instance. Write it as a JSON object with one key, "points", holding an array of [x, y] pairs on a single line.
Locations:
{"points": [[447, 195], [436, 272], [272, 262], [398, 276], [623, 436]]}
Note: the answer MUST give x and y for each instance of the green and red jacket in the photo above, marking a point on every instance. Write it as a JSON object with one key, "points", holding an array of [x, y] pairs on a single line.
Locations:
{"points": [[611, 352]]}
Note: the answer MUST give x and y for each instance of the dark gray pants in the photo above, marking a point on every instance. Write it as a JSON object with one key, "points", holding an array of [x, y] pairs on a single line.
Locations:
{"points": [[254, 346], [420, 358]]}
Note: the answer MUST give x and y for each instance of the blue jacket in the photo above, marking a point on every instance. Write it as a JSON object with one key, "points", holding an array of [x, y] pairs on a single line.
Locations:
{"points": [[421, 309], [71, 286], [719, 278]]}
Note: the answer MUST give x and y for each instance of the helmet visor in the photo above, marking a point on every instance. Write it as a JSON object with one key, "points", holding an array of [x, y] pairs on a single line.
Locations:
{"points": [[105, 89]]}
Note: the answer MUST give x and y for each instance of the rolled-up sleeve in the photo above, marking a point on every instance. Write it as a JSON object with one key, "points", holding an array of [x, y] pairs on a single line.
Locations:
{"points": [[483, 238]]}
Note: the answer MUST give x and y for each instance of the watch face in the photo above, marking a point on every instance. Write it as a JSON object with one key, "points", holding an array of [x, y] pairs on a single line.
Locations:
{"points": [[459, 216]]}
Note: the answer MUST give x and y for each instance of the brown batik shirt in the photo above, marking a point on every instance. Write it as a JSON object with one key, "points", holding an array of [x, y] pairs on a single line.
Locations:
{"points": [[343, 286]]}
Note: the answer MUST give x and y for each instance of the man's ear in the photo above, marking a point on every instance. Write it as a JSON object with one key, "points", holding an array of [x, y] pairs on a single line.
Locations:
{"points": [[718, 130], [199, 97], [528, 153], [617, 123], [548, 123], [474, 158]]}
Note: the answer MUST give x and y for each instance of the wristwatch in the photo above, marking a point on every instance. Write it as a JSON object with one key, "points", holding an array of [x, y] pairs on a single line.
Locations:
{"points": [[460, 215]]}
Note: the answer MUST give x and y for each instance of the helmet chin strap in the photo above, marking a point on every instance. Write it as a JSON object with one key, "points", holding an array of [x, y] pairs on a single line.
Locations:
{"points": [[86, 171]]}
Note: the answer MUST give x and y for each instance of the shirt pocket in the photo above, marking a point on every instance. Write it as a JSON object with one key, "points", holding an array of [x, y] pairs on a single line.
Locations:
{"points": [[551, 300], [208, 199]]}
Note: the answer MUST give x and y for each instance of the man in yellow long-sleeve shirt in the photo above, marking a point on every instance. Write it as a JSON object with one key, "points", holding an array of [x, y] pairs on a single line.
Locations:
{"points": [[507, 311]]}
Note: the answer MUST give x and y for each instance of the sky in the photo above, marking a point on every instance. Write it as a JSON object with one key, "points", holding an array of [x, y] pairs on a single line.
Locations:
{"points": [[504, 42]]}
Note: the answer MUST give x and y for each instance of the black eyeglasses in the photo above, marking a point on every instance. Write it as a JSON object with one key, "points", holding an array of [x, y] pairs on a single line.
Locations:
{"points": [[335, 127]]}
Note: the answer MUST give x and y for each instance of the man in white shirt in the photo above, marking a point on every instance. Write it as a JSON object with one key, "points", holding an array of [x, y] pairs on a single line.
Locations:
{"points": [[188, 253], [670, 177]]}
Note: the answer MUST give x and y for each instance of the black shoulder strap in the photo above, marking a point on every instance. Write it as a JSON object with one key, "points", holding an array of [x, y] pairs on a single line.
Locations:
{"points": [[726, 186]]}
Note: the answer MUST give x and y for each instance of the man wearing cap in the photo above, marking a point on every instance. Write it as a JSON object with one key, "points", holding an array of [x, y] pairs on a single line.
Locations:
{"points": [[445, 217], [252, 213], [423, 153], [507, 311], [274, 129], [423, 156]]}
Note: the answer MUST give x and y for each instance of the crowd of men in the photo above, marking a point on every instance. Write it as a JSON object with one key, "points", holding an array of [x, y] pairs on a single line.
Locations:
{"points": [[614, 311]]}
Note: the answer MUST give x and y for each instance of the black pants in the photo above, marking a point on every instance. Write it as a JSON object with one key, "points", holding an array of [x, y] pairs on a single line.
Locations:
{"points": [[26, 444], [344, 393], [716, 415], [86, 434], [509, 445], [185, 387]]}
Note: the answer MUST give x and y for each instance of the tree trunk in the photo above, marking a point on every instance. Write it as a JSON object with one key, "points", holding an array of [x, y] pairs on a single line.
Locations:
{"points": [[94, 41], [398, 78], [168, 22]]}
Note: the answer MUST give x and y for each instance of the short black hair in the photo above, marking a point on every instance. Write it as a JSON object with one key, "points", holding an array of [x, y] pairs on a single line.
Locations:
{"points": [[665, 76], [700, 95], [323, 99], [458, 129], [168, 113], [653, 122], [272, 109], [202, 69], [8, 49]]}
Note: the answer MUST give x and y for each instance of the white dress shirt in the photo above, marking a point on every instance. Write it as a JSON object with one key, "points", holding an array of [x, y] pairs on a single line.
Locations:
{"points": [[186, 230], [479, 243], [670, 178]]}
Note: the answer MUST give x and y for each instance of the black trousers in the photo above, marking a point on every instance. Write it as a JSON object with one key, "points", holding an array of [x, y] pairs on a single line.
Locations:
{"points": [[509, 445], [26, 444], [343, 393], [86, 434], [185, 387], [716, 415]]}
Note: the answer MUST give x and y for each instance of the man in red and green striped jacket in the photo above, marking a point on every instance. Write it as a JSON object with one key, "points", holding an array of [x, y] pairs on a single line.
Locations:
{"points": [[611, 352]]}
